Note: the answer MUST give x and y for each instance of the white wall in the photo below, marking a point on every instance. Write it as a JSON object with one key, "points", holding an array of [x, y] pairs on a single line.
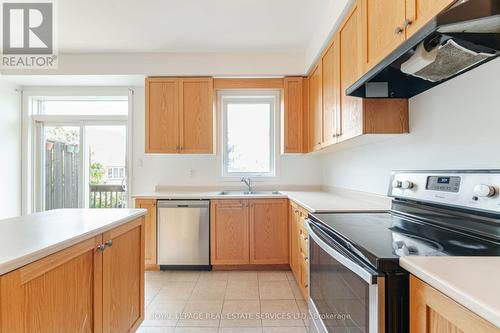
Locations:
{"points": [[201, 170], [10, 150], [454, 125]]}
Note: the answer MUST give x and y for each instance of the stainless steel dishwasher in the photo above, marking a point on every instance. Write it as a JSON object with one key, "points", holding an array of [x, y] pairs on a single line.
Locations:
{"points": [[184, 234]]}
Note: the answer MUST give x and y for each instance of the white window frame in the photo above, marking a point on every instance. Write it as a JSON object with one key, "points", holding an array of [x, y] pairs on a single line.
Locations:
{"points": [[33, 122], [248, 96]]}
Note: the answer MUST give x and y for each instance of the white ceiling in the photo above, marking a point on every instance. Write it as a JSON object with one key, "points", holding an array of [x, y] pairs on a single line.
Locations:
{"points": [[96, 26]]}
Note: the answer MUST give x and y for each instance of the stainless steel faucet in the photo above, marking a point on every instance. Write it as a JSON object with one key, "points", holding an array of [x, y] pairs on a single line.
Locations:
{"points": [[248, 183]]}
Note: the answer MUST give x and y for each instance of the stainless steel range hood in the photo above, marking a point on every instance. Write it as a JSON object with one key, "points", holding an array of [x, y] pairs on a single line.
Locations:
{"points": [[464, 36]]}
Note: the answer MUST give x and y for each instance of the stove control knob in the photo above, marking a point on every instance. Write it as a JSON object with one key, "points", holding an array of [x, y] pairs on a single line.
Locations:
{"points": [[406, 184], [396, 183], [482, 190]]}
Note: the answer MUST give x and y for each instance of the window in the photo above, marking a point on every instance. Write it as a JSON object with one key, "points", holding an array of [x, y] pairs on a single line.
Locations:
{"points": [[81, 152], [248, 136]]}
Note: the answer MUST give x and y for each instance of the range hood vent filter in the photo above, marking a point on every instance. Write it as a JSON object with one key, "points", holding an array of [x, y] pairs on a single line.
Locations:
{"points": [[442, 62]]}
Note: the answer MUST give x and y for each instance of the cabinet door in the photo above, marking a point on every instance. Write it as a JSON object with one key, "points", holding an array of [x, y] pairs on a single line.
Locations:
{"points": [[269, 231], [293, 118], [419, 12], [294, 242], [331, 91], [196, 95], [350, 42], [229, 232], [162, 115], [383, 25], [316, 107], [149, 231], [433, 312], [123, 278], [35, 297]]}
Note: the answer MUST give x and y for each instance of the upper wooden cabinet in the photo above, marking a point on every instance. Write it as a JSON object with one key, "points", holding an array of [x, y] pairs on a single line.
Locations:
{"points": [[293, 119], [331, 94], [316, 107], [383, 28], [419, 12], [363, 116], [269, 231], [388, 23], [433, 312], [179, 115]]}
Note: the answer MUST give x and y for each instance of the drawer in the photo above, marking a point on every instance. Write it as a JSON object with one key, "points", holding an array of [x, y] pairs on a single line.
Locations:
{"points": [[304, 278], [304, 243]]}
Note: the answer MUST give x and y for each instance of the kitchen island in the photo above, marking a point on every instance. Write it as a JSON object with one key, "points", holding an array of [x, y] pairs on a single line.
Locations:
{"points": [[72, 270]]}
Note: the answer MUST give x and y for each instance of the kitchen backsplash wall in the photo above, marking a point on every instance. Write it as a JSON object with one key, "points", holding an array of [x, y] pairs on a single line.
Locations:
{"points": [[454, 125], [151, 170]]}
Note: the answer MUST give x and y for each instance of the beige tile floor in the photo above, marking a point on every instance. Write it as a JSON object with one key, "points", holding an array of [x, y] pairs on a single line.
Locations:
{"points": [[223, 302]]}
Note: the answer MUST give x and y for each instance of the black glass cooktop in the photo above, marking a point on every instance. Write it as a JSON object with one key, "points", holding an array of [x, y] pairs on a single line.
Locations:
{"points": [[384, 237]]}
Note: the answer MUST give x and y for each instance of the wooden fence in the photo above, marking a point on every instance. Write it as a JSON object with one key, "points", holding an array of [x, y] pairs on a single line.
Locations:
{"points": [[61, 175]]}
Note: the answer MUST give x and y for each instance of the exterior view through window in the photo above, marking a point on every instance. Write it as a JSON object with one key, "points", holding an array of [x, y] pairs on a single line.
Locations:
{"points": [[248, 136], [82, 161]]}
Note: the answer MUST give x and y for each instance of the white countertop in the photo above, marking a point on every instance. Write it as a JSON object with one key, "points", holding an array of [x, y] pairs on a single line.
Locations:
{"points": [[26, 239], [338, 200], [471, 281]]}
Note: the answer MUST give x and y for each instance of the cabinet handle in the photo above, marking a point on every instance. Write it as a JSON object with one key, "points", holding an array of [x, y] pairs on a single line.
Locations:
{"points": [[108, 243], [398, 30], [306, 285], [407, 23], [305, 238], [100, 247], [296, 211]]}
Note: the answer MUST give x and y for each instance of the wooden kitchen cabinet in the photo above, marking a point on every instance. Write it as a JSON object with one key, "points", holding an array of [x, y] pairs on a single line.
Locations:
{"points": [[316, 107], [293, 120], [249, 232], [364, 115], [196, 116], [388, 23], [123, 278], [331, 94], [149, 231], [433, 312], [179, 115], [229, 232], [81, 288], [420, 12], [269, 231], [299, 247], [70, 281], [383, 25]]}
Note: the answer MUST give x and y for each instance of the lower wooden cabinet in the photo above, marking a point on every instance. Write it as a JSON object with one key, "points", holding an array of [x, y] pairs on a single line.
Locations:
{"points": [[269, 231], [229, 232], [81, 288], [433, 312], [149, 231], [299, 247], [247, 232]]}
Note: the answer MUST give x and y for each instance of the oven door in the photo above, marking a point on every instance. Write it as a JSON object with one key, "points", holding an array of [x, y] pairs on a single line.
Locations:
{"points": [[345, 295]]}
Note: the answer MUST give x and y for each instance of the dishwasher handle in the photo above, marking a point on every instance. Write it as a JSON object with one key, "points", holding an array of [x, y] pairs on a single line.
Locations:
{"points": [[183, 203]]}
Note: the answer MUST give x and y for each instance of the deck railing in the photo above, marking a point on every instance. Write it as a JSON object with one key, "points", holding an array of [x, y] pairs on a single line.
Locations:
{"points": [[107, 196]]}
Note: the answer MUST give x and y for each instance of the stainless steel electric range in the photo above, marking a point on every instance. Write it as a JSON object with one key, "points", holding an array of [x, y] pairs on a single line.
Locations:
{"points": [[356, 284]]}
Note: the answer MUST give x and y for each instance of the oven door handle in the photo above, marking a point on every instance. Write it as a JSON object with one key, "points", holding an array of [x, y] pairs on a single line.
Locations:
{"points": [[363, 273]]}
